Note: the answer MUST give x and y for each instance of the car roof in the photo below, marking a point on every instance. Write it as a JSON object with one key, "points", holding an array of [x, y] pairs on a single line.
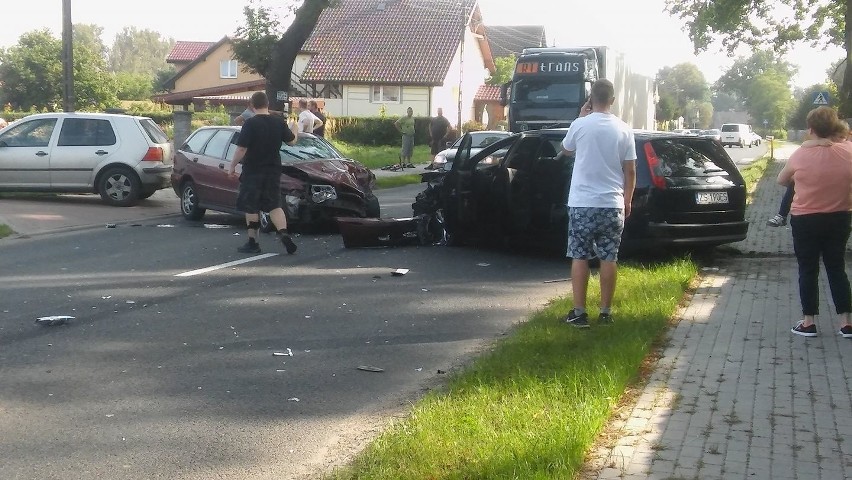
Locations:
{"points": [[637, 133], [81, 115], [237, 128]]}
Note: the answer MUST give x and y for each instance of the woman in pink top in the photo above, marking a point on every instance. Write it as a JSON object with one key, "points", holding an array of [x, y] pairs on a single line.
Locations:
{"points": [[822, 216]]}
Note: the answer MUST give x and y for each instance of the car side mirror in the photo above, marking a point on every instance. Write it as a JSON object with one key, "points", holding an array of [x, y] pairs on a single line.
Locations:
{"points": [[447, 166]]}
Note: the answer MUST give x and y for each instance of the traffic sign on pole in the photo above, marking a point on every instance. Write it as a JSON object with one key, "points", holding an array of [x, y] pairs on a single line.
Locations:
{"points": [[821, 98]]}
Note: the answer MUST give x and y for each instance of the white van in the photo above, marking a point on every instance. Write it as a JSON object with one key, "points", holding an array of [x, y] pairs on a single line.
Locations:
{"points": [[739, 134]]}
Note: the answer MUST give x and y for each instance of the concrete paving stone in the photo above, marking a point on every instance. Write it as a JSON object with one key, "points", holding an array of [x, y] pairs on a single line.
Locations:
{"points": [[711, 471], [739, 455], [610, 474]]}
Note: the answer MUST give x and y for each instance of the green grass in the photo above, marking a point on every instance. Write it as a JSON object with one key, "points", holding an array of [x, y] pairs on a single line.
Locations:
{"points": [[533, 405], [754, 172], [5, 230], [397, 180], [377, 157]]}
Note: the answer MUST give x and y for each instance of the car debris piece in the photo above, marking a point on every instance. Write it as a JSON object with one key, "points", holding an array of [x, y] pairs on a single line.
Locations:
{"points": [[110, 225], [556, 280], [483, 264], [53, 320], [370, 368], [288, 353], [293, 399], [399, 272], [385, 232], [441, 372]]}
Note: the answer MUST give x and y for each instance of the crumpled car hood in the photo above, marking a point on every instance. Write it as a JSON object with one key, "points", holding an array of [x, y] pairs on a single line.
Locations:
{"points": [[336, 172]]}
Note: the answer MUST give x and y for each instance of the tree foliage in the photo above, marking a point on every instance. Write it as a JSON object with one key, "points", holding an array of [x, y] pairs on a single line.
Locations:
{"points": [[139, 52], [505, 67], [769, 98], [758, 23], [804, 103], [31, 73], [254, 42], [683, 90], [738, 80]]}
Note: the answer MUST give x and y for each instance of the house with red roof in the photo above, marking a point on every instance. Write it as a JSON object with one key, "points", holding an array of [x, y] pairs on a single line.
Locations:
{"points": [[364, 58]]}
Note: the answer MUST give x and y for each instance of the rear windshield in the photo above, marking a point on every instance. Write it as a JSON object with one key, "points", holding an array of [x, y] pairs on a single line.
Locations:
{"points": [[153, 130], [730, 128], [682, 157]]}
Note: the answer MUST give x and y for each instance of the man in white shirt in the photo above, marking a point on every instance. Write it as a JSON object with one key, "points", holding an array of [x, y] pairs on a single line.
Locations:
{"points": [[601, 190], [308, 122]]}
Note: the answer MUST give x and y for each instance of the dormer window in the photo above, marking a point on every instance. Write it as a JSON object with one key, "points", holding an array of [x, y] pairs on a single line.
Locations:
{"points": [[228, 69]]}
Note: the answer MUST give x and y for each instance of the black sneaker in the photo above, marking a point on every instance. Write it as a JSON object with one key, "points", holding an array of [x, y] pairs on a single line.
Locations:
{"points": [[249, 247], [846, 331], [605, 319], [809, 331], [288, 243], [777, 221], [577, 321]]}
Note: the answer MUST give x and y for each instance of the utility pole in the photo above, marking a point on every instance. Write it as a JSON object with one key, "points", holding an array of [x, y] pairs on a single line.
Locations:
{"points": [[67, 58], [461, 64]]}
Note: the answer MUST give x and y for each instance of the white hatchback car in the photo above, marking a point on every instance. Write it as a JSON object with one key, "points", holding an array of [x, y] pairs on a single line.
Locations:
{"points": [[121, 157]]}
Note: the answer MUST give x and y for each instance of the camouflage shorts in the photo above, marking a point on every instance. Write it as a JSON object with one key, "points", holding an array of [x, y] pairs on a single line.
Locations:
{"points": [[594, 231]]}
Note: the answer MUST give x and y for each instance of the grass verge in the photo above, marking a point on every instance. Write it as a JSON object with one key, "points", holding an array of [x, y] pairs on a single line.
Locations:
{"points": [[5, 230], [532, 406], [377, 157], [397, 180], [754, 172]]}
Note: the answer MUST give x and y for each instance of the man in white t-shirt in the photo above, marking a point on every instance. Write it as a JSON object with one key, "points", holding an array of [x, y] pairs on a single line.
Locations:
{"points": [[308, 122], [599, 197]]}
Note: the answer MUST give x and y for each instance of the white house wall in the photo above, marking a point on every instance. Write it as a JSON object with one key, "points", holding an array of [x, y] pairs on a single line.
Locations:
{"points": [[356, 103], [474, 75]]}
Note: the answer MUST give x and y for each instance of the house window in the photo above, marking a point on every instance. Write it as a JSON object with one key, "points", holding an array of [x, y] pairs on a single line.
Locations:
{"points": [[386, 94], [228, 69]]}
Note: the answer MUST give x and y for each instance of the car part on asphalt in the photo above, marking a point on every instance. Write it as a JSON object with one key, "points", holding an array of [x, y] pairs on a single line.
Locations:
{"points": [[387, 232]]}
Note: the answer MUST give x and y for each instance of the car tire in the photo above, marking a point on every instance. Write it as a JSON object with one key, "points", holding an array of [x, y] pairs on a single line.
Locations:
{"points": [[189, 202], [119, 187], [373, 209]]}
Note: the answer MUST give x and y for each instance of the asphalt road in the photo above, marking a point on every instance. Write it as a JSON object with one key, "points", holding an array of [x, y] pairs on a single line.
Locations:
{"points": [[168, 376]]}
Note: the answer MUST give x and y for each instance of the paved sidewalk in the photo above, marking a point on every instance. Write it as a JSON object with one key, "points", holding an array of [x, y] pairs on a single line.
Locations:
{"points": [[736, 395]]}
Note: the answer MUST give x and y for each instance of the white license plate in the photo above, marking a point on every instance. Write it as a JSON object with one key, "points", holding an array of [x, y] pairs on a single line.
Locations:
{"points": [[709, 198]]}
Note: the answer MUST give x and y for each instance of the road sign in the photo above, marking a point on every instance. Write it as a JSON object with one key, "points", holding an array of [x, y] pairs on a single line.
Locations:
{"points": [[765, 122], [282, 96], [821, 98]]}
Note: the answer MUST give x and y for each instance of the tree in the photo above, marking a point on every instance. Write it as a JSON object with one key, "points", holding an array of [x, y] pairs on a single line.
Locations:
{"points": [[139, 51], [284, 49], [133, 86], [31, 74], [505, 67], [805, 103], [738, 80], [88, 35], [682, 88], [756, 23], [770, 99], [255, 41]]}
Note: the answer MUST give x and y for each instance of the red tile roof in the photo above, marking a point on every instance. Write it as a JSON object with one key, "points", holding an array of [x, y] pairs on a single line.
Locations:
{"points": [[488, 93], [187, 51], [386, 41]]}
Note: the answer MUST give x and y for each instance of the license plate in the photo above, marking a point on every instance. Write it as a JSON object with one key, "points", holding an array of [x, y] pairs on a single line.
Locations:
{"points": [[709, 198]]}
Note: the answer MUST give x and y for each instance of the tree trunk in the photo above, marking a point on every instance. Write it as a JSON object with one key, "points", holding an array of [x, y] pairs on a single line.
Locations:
{"points": [[846, 88], [286, 49]]}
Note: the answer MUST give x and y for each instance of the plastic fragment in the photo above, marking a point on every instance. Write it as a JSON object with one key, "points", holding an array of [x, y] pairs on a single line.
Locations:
{"points": [[370, 368], [54, 320], [399, 272]]}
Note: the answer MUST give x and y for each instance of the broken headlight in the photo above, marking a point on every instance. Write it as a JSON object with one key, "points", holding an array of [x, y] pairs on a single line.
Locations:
{"points": [[322, 193]]}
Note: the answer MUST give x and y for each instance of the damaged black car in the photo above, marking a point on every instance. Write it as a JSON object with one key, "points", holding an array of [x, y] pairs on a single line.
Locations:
{"points": [[688, 193]]}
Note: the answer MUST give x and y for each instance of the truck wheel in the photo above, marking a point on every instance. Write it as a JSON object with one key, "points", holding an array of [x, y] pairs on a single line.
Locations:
{"points": [[189, 202], [119, 187]]}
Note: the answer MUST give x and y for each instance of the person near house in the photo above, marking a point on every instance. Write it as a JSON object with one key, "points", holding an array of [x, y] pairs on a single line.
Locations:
{"points": [[601, 190], [821, 216], [247, 113], [439, 128], [258, 149], [314, 108], [405, 125], [308, 122]]}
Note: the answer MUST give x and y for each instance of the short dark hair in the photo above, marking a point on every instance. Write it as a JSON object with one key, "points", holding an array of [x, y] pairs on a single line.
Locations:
{"points": [[259, 100], [603, 92], [303, 103]]}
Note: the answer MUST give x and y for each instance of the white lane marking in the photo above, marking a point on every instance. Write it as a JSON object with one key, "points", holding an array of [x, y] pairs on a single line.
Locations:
{"points": [[225, 265]]}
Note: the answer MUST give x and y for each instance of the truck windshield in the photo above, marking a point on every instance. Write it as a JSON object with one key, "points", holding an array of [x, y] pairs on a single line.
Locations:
{"points": [[545, 90]]}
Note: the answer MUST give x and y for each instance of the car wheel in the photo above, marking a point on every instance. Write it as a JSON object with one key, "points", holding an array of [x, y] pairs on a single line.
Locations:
{"points": [[373, 210], [119, 187], [189, 202]]}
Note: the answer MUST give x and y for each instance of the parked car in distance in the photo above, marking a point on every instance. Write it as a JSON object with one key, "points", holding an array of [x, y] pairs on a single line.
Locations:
{"points": [[713, 133], [317, 184], [738, 134], [480, 140], [693, 131], [122, 157], [688, 193]]}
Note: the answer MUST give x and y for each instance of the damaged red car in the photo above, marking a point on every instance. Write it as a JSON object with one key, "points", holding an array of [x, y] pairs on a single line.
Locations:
{"points": [[318, 184]]}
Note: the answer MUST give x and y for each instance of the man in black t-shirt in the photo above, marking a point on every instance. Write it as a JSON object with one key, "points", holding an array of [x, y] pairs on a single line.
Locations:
{"points": [[258, 149], [439, 128]]}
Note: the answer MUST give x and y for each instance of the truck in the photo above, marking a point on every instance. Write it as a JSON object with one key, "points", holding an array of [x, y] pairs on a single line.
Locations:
{"points": [[550, 85]]}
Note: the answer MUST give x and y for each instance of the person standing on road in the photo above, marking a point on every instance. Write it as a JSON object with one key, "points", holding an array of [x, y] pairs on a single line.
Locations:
{"points": [[439, 128], [308, 122], [821, 216], [314, 108], [601, 190], [258, 149], [405, 125], [247, 113]]}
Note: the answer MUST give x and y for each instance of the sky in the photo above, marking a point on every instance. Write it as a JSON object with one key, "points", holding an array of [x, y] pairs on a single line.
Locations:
{"points": [[648, 36]]}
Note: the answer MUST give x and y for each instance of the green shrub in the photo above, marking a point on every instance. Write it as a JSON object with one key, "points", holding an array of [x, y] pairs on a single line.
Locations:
{"points": [[472, 126], [373, 130]]}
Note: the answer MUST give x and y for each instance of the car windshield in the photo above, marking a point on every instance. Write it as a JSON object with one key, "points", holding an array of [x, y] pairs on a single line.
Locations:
{"points": [[680, 157], [308, 149], [730, 128], [483, 139]]}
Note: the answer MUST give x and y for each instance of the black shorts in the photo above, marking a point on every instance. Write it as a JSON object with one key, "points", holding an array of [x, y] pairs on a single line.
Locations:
{"points": [[259, 192]]}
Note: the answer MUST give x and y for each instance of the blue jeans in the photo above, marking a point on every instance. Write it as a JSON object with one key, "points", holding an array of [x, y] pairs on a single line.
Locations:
{"points": [[825, 235]]}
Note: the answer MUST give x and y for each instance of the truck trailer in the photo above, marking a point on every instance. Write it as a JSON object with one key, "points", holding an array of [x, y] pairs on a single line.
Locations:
{"points": [[550, 85]]}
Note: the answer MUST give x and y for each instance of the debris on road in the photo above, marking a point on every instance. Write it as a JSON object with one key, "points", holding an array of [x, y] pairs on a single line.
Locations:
{"points": [[370, 368], [483, 264], [293, 399], [53, 320], [110, 225], [399, 272], [556, 281], [288, 353]]}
